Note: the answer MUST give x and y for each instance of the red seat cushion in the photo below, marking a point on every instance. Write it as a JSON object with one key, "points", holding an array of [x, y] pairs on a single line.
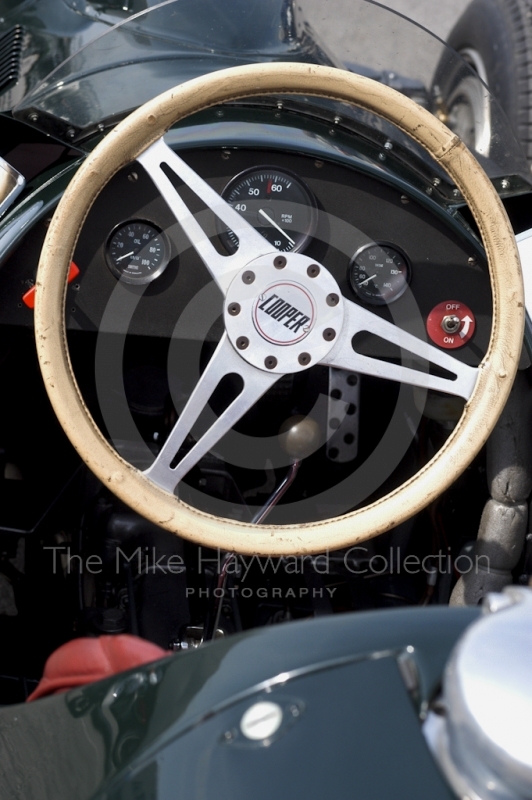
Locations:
{"points": [[83, 661]]}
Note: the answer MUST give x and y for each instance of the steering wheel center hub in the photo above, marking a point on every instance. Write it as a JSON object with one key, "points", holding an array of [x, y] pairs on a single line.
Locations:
{"points": [[284, 313]]}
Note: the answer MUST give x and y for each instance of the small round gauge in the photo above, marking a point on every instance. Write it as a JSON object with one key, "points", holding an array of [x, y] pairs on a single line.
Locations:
{"points": [[379, 273], [137, 252], [277, 203]]}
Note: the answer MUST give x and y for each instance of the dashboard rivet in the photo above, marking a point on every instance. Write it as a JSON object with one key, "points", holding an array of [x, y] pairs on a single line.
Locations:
{"points": [[472, 260], [313, 271], [304, 359], [270, 362], [318, 164], [329, 334], [248, 276], [404, 199], [132, 177], [436, 182], [242, 342], [233, 309], [279, 262], [457, 193], [505, 183], [382, 156], [388, 145], [332, 299]]}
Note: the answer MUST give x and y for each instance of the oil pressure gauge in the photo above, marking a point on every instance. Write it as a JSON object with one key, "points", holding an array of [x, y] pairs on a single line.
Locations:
{"points": [[137, 252], [379, 273]]}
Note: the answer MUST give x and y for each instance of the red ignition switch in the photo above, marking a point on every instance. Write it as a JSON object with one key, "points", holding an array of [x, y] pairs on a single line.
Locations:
{"points": [[451, 324]]}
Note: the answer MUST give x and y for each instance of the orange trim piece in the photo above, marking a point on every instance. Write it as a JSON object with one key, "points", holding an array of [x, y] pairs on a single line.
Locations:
{"points": [[28, 298]]}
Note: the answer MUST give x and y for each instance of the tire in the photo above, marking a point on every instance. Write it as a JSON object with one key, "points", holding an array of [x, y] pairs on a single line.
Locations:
{"points": [[495, 38]]}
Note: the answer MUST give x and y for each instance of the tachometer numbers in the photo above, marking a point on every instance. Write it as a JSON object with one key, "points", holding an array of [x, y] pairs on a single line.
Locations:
{"points": [[379, 273], [277, 203], [137, 252]]}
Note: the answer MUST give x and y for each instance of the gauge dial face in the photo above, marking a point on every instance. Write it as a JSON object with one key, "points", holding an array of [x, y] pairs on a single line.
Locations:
{"points": [[379, 273], [277, 203], [137, 252]]}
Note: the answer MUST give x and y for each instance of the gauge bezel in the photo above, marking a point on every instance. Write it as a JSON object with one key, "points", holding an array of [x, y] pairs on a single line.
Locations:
{"points": [[375, 301], [131, 280], [312, 205]]}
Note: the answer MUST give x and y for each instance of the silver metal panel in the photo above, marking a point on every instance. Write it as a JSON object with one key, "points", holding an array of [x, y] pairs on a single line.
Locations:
{"points": [[343, 415], [483, 741]]}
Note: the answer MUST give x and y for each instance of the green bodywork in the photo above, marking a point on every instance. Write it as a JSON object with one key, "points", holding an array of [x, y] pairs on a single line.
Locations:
{"points": [[351, 726]]}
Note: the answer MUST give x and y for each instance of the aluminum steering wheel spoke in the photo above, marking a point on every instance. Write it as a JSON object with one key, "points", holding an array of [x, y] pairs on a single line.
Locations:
{"points": [[462, 378], [157, 160], [224, 361]]}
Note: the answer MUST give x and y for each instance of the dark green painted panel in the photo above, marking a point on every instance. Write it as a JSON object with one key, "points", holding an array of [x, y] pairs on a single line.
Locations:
{"points": [[72, 745], [357, 736]]}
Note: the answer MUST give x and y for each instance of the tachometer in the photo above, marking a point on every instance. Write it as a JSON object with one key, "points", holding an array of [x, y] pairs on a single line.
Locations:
{"points": [[137, 252], [379, 273], [277, 203]]}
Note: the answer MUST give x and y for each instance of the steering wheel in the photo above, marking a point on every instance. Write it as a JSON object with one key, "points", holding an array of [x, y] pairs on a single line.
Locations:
{"points": [[318, 323]]}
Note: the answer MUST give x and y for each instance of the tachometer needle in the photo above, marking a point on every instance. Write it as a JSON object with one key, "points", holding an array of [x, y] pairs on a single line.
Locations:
{"points": [[275, 225], [125, 256], [367, 280]]}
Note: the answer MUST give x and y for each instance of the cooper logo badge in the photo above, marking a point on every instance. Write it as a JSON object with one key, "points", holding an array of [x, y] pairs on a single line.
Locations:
{"points": [[284, 314]]}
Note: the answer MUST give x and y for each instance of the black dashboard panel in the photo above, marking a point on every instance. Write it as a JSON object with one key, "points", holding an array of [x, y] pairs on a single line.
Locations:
{"points": [[353, 210]]}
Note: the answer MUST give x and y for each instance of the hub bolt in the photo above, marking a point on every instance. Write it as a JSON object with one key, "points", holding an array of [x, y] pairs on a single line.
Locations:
{"points": [[304, 359], [313, 271], [332, 299], [279, 262], [242, 342], [270, 362], [248, 276], [233, 309], [329, 334]]}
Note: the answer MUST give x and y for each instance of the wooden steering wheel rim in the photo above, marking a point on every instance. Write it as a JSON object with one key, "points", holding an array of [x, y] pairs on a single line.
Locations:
{"points": [[495, 374]]}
